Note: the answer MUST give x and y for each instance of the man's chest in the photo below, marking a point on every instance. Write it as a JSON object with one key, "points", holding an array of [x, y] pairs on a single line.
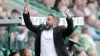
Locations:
{"points": [[47, 35]]}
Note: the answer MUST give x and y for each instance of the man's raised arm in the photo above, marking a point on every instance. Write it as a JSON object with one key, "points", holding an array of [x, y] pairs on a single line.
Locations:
{"points": [[27, 20], [67, 31]]}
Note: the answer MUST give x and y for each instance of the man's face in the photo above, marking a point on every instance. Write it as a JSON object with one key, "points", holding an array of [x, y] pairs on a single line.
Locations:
{"points": [[49, 21], [15, 15], [89, 20]]}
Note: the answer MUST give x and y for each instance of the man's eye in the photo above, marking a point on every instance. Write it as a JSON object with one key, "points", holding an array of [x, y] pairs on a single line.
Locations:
{"points": [[48, 19]]}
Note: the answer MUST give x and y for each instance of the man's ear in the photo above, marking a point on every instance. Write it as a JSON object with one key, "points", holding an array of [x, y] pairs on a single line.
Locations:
{"points": [[55, 22]]}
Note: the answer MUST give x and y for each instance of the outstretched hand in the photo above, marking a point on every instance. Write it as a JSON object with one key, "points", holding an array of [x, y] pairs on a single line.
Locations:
{"points": [[67, 12], [27, 8]]}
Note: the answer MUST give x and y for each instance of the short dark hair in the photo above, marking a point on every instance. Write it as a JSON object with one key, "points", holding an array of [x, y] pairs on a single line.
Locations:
{"points": [[13, 53], [15, 11]]}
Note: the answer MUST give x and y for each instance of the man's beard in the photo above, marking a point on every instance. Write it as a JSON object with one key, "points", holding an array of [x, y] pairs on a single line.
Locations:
{"points": [[48, 26]]}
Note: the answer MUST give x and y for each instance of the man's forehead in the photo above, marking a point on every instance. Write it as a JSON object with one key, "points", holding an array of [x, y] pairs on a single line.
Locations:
{"points": [[49, 17]]}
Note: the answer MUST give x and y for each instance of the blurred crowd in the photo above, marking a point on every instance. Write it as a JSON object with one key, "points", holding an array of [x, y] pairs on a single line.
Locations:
{"points": [[85, 35], [21, 36]]}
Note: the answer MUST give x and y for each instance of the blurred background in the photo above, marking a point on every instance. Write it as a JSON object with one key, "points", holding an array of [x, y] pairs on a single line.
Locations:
{"points": [[21, 37]]}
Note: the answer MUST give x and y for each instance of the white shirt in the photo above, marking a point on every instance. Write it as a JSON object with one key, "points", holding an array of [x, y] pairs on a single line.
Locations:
{"points": [[47, 44], [20, 37]]}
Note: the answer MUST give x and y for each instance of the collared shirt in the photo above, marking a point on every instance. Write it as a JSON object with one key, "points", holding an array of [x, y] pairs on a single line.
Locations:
{"points": [[47, 44]]}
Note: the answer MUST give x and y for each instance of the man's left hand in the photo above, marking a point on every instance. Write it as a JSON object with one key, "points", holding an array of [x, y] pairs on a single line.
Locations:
{"points": [[67, 12]]}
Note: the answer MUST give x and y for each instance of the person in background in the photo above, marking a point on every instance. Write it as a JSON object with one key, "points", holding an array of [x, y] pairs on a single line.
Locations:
{"points": [[19, 37], [78, 8], [48, 3], [97, 24], [60, 3], [79, 13], [57, 5], [14, 54], [89, 23], [87, 45], [31, 42], [26, 52], [3, 33], [31, 39], [15, 14], [99, 13], [92, 9], [77, 5], [97, 28], [2, 13]]}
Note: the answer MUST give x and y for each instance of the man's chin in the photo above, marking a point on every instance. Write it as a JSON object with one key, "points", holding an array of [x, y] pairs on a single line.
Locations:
{"points": [[47, 26]]}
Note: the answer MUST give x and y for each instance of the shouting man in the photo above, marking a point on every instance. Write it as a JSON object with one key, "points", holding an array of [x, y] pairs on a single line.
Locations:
{"points": [[50, 37]]}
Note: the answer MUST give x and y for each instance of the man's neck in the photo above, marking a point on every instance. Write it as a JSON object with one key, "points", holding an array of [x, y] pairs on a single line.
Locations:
{"points": [[54, 26]]}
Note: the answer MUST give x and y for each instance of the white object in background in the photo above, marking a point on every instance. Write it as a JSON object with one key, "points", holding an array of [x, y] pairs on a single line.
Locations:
{"points": [[78, 21], [42, 20]]}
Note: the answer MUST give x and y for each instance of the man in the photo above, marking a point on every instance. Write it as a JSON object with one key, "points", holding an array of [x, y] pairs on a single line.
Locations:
{"points": [[15, 14], [50, 37]]}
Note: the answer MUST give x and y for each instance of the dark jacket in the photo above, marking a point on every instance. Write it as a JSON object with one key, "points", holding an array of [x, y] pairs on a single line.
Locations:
{"points": [[59, 34]]}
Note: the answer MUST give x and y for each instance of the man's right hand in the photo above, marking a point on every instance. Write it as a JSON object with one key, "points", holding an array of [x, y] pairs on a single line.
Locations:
{"points": [[26, 8]]}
